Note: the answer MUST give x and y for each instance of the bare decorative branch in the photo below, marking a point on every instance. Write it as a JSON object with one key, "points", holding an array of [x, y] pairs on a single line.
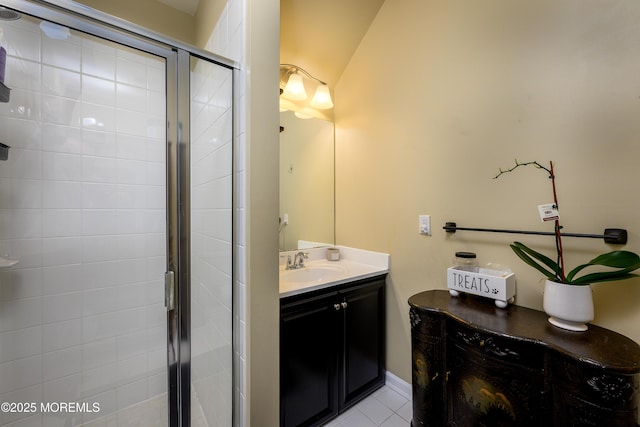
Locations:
{"points": [[560, 259], [518, 164]]}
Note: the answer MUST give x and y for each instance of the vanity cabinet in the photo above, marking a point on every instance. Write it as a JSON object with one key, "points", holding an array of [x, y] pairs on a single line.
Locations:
{"points": [[478, 365], [332, 347]]}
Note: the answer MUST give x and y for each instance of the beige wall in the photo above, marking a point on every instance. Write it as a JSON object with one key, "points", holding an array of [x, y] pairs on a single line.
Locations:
{"points": [[440, 94], [261, 160], [152, 15], [206, 17]]}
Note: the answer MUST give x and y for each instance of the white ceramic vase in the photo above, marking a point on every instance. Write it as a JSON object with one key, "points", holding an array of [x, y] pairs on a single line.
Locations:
{"points": [[568, 306]]}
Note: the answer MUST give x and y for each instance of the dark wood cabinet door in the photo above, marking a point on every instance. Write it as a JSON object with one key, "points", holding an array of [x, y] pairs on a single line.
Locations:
{"points": [[485, 391], [572, 411], [308, 361], [363, 366], [593, 397], [428, 370], [493, 381]]}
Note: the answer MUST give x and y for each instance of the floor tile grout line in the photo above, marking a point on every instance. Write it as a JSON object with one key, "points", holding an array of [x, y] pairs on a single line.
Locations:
{"points": [[342, 420]]}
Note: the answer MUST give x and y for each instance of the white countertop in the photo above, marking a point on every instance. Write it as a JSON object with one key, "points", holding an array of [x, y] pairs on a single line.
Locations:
{"points": [[354, 264]]}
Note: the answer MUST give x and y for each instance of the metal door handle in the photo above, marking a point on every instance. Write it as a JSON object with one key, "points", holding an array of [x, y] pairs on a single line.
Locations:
{"points": [[169, 291], [344, 304], [336, 306]]}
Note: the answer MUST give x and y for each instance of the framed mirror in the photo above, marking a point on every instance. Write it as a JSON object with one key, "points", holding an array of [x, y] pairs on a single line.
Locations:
{"points": [[307, 204]]}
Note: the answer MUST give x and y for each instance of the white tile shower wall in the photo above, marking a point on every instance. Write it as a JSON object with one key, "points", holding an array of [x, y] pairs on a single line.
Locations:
{"points": [[211, 245], [82, 206], [228, 39]]}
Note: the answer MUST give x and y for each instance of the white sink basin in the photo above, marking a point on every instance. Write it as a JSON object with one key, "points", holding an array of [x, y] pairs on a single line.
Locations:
{"points": [[319, 273], [313, 273]]}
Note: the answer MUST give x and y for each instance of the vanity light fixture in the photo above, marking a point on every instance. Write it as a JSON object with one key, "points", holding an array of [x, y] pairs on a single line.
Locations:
{"points": [[322, 98], [294, 88]]}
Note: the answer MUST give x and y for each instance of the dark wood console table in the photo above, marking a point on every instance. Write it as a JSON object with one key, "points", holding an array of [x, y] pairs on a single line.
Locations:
{"points": [[478, 365]]}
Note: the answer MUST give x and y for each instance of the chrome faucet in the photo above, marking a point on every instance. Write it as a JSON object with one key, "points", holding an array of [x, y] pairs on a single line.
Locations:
{"points": [[298, 260]]}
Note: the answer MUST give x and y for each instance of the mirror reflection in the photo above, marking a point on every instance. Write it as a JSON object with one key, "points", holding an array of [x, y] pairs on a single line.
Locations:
{"points": [[306, 182]]}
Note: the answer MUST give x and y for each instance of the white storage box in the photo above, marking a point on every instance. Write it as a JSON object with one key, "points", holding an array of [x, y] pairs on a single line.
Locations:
{"points": [[497, 285]]}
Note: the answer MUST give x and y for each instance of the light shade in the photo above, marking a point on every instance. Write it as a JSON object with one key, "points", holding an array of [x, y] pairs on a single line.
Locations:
{"points": [[322, 98], [294, 89]]}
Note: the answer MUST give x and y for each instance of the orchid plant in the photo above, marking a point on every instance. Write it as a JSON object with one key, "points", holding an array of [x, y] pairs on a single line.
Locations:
{"points": [[620, 264]]}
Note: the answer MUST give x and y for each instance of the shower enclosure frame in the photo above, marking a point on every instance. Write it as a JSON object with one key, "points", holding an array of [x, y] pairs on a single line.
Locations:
{"points": [[177, 282]]}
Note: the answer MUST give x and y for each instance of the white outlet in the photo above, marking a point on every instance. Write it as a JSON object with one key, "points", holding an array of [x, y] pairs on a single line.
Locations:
{"points": [[424, 224]]}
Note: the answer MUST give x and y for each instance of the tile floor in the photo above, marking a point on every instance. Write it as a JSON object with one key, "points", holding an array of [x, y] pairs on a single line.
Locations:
{"points": [[384, 408]]}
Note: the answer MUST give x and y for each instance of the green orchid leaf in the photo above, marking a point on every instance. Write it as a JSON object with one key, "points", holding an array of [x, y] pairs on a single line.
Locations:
{"points": [[628, 261], [607, 276], [603, 277], [622, 263], [551, 264], [616, 259], [530, 261]]}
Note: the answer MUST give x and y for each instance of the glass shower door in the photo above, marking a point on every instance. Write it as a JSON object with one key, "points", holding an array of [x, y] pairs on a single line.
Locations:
{"points": [[211, 161], [83, 210]]}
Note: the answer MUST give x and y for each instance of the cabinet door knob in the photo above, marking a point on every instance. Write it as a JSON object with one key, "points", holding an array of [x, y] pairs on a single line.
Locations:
{"points": [[336, 306], [344, 304]]}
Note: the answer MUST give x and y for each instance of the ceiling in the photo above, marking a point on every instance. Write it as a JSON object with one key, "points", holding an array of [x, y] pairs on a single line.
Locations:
{"points": [[322, 35]]}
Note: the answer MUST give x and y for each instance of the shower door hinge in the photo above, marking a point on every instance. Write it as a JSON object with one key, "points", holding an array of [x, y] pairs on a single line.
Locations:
{"points": [[169, 291]]}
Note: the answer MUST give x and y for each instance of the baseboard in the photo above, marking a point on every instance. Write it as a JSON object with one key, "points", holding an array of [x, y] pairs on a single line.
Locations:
{"points": [[399, 385]]}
